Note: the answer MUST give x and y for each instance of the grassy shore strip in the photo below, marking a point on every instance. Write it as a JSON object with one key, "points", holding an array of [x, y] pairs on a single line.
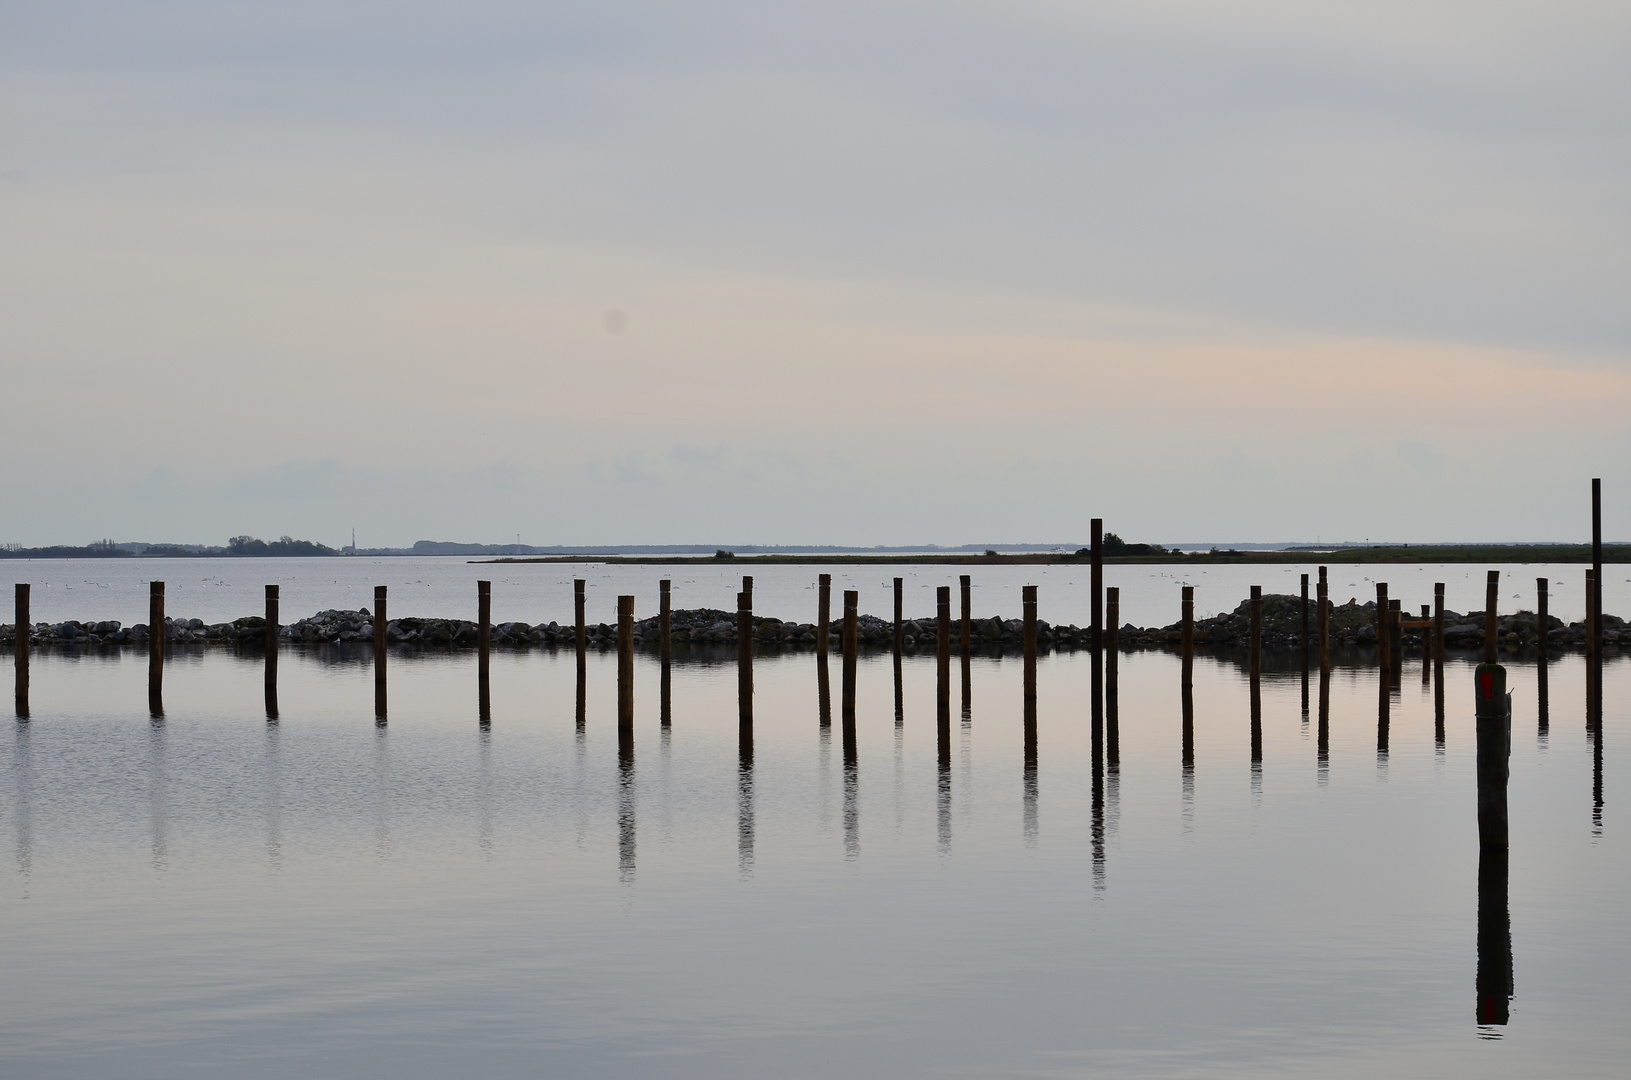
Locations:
{"points": [[1402, 553]]}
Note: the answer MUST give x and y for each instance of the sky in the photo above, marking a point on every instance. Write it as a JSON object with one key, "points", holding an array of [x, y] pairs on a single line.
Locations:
{"points": [[851, 273]]}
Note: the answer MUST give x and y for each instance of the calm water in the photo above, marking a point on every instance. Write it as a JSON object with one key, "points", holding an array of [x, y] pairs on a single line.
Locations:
{"points": [[213, 894], [217, 590]]}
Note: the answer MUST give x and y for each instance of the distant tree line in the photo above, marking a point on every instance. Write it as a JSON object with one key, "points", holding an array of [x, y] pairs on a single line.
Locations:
{"points": [[1115, 546], [283, 546]]}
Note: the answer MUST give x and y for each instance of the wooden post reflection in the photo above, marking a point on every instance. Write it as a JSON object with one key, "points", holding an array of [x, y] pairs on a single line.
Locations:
{"points": [[1495, 984], [852, 818], [744, 801], [1384, 702], [824, 691], [1322, 737], [1029, 781], [625, 804]]}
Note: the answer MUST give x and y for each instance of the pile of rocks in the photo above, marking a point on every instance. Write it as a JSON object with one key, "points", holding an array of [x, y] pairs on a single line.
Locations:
{"points": [[183, 631]]}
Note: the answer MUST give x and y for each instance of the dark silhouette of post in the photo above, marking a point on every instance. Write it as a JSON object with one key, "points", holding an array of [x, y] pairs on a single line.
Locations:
{"points": [[578, 604], [1395, 636], [1256, 653], [1324, 597], [625, 664], [744, 654], [1186, 634], [22, 626], [942, 654], [967, 585], [1029, 600], [665, 646], [823, 613], [1384, 623], [851, 646], [1494, 979], [1492, 625], [1095, 625], [379, 653], [900, 603], [1542, 618], [1438, 622], [272, 631], [155, 647], [747, 587], [1302, 635], [1112, 674], [484, 648], [1494, 715], [1597, 567]]}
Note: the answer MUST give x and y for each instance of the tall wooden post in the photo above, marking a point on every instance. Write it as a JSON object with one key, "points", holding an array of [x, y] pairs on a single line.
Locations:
{"points": [[851, 647], [578, 605], [900, 605], [23, 627], [1542, 596], [484, 649], [1597, 567], [625, 665], [823, 613], [272, 631], [744, 654], [1302, 637], [665, 620], [379, 653], [942, 685], [1186, 632], [1096, 627], [1492, 603], [1029, 599], [1438, 622], [747, 587], [1494, 717], [1591, 616], [1395, 636], [1256, 653], [155, 647], [1384, 623], [966, 583], [1112, 668], [1324, 615]]}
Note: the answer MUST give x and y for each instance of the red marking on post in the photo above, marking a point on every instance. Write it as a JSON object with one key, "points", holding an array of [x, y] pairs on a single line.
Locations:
{"points": [[1489, 684]]}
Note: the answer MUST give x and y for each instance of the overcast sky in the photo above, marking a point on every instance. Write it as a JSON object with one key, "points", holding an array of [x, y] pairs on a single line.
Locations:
{"points": [[831, 273]]}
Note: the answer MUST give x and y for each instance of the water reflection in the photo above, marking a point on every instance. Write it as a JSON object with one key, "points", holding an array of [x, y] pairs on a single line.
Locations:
{"points": [[1495, 986], [852, 817], [1187, 697], [1384, 703], [484, 790], [23, 773], [1096, 824], [158, 794], [943, 757], [744, 802], [824, 689], [625, 806], [382, 792], [272, 796], [1322, 739]]}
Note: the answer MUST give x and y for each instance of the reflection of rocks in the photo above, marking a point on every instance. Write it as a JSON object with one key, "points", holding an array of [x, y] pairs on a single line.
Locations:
{"points": [[1352, 624]]}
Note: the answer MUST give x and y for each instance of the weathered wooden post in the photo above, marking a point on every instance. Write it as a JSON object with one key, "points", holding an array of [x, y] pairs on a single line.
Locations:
{"points": [[1494, 713], [967, 585], [1426, 629], [625, 664], [1029, 599], [1096, 627], [1112, 668], [744, 654], [851, 647], [578, 605], [1256, 653], [1302, 635], [272, 632], [1438, 622], [942, 667], [1492, 625], [484, 645], [1542, 618], [823, 613], [23, 627], [1186, 634], [900, 604], [1384, 623], [665, 647], [155, 647], [747, 587], [1597, 567], [1395, 636], [379, 653], [1324, 596]]}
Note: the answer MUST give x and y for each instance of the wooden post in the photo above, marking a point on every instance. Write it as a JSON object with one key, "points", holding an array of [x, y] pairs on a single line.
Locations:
{"points": [[851, 646], [744, 654], [625, 664], [578, 603], [379, 653], [1438, 622], [1395, 636], [23, 627], [1096, 626], [967, 585], [1112, 667], [665, 620], [1492, 603], [942, 608], [900, 604], [823, 613], [484, 630], [747, 587], [1324, 597], [272, 630], [1186, 631], [1542, 595], [1302, 637], [155, 647], [1597, 567], [1494, 716], [1384, 623], [1256, 653], [1029, 599]]}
